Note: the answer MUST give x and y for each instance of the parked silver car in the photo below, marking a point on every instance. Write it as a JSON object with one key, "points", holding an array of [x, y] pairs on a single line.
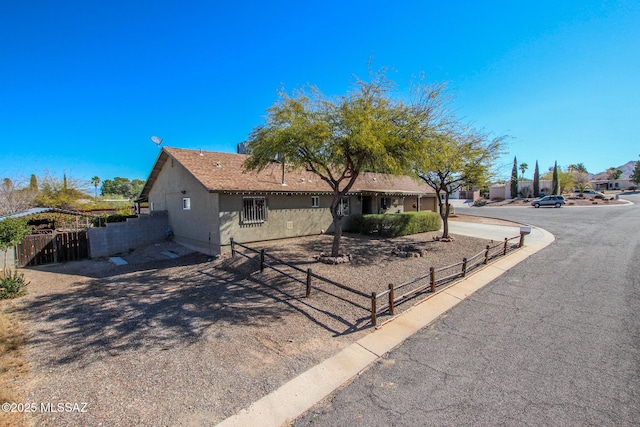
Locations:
{"points": [[556, 201], [588, 194]]}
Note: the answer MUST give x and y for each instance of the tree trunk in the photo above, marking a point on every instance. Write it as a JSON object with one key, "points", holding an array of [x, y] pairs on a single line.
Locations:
{"points": [[337, 224], [444, 214], [337, 235]]}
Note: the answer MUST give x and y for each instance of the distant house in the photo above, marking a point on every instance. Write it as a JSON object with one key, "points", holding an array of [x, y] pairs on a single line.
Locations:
{"points": [[210, 198], [611, 184], [525, 189]]}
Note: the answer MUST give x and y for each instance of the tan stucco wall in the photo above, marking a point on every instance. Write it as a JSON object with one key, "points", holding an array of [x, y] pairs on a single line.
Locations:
{"points": [[197, 227], [411, 204], [429, 203], [287, 216]]}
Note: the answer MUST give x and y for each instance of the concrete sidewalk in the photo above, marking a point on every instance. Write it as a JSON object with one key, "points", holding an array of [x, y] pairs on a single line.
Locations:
{"points": [[494, 232], [301, 393]]}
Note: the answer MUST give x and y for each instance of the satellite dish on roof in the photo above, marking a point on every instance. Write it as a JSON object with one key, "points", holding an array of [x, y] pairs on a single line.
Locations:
{"points": [[156, 140]]}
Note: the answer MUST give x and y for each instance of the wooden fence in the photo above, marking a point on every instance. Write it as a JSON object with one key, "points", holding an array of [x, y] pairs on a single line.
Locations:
{"points": [[436, 277], [429, 282], [47, 248], [308, 274]]}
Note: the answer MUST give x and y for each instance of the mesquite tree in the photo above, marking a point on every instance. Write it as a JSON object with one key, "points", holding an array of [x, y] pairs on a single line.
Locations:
{"points": [[338, 138], [454, 157]]}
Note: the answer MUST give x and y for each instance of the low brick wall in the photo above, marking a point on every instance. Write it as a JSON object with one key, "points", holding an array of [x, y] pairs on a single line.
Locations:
{"points": [[119, 237]]}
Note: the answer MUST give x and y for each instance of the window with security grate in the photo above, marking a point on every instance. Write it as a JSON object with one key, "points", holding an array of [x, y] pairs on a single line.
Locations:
{"points": [[254, 210]]}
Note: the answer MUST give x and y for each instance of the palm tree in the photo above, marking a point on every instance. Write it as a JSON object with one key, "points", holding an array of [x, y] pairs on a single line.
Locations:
{"points": [[523, 168], [95, 181]]}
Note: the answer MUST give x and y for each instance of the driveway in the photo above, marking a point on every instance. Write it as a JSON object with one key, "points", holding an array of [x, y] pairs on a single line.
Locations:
{"points": [[554, 341]]}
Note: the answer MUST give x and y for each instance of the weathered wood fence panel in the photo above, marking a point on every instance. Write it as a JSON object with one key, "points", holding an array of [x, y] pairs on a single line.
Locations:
{"points": [[39, 249]]}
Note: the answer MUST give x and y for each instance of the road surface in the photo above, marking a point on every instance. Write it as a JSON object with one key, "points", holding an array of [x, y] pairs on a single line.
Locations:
{"points": [[554, 341]]}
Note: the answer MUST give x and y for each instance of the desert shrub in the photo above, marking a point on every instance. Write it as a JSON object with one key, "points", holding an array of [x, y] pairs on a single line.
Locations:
{"points": [[393, 225], [480, 202], [12, 285]]}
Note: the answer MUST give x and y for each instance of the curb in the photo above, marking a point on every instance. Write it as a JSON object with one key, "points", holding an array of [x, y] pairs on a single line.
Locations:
{"points": [[300, 394]]}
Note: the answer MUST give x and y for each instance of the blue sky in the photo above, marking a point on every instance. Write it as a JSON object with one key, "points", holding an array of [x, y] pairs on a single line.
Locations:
{"points": [[84, 85]]}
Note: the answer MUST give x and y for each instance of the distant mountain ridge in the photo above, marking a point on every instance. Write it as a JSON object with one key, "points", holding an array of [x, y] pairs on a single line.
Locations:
{"points": [[627, 171]]}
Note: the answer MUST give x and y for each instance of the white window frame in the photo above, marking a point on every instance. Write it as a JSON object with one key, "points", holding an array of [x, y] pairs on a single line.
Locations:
{"points": [[315, 201], [186, 203], [254, 210]]}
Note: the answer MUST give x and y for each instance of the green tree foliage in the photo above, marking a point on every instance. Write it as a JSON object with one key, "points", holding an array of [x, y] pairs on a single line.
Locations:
{"points": [[613, 173], [56, 193], [523, 168], [122, 187], [577, 167], [337, 138], [562, 180], [635, 175], [536, 181], [555, 184], [12, 231], [453, 157], [514, 178], [33, 183], [95, 181]]}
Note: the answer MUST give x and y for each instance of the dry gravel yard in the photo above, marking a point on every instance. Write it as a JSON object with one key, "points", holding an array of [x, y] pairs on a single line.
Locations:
{"points": [[186, 341]]}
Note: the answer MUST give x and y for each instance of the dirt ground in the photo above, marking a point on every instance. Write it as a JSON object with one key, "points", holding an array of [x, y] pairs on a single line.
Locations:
{"points": [[190, 341]]}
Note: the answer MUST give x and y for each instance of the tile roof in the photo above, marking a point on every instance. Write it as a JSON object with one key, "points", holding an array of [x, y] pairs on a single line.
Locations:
{"points": [[224, 172]]}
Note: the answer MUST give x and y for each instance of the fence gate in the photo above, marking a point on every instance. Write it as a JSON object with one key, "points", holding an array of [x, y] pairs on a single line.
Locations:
{"points": [[38, 249]]}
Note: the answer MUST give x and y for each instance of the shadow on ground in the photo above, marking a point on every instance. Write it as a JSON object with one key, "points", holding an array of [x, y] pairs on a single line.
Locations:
{"points": [[171, 306]]}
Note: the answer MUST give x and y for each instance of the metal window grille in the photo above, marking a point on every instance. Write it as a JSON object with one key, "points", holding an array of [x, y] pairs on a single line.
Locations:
{"points": [[186, 203], [343, 207], [254, 210]]}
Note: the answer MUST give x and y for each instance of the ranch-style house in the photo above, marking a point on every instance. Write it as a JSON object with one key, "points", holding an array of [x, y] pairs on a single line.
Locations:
{"points": [[210, 198]]}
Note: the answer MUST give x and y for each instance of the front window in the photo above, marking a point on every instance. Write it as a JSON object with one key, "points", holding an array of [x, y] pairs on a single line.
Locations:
{"points": [[384, 203], [186, 203], [254, 210]]}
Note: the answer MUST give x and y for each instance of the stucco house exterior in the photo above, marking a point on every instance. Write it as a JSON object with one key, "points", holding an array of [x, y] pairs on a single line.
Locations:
{"points": [[612, 184], [210, 198], [525, 188]]}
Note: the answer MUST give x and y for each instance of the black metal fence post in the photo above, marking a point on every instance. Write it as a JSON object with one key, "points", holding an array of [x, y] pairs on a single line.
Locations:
{"points": [[374, 319], [432, 274], [233, 250], [464, 267], [261, 260], [308, 282], [391, 299], [486, 255]]}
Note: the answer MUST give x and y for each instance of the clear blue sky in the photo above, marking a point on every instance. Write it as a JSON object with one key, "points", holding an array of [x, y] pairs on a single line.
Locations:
{"points": [[86, 84]]}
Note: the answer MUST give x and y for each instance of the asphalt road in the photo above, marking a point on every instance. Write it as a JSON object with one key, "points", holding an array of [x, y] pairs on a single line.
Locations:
{"points": [[554, 341]]}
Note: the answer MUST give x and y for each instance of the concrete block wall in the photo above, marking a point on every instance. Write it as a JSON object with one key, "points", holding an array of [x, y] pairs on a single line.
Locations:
{"points": [[119, 237], [10, 261]]}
